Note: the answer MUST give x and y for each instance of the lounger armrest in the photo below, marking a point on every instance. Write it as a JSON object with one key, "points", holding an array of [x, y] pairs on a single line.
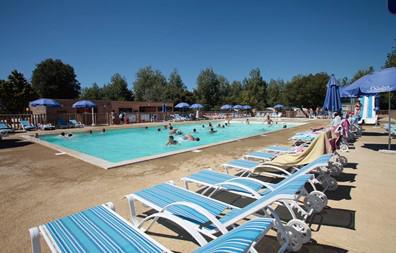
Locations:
{"points": [[246, 188], [35, 239]]}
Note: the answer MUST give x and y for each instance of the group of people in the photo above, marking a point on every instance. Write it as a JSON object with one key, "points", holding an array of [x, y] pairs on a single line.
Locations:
{"points": [[190, 137]]}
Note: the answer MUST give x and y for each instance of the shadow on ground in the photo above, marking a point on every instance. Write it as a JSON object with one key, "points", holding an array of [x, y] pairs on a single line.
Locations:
{"points": [[270, 244], [351, 165], [376, 146], [333, 217], [374, 134], [13, 143], [346, 177]]}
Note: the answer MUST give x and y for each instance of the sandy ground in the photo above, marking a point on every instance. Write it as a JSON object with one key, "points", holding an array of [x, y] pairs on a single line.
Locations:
{"points": [[36, 186]]}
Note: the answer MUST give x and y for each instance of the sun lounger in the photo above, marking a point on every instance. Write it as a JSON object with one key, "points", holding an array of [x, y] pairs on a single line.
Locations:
{"points": [[5, 128], [210, 216], [27, 126], [247, 167], [101, 229], [60, 123], [75, 123]]}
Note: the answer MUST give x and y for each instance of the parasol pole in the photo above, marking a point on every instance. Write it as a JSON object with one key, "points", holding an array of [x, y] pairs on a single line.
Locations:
{"points": [[389, 120]]}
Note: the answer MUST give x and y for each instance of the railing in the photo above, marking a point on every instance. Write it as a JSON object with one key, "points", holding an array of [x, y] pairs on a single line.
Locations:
{"points": [[13, 120]]}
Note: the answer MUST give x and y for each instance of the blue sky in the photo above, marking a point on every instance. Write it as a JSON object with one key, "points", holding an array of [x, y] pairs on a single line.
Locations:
{"points": [[282, 38]]}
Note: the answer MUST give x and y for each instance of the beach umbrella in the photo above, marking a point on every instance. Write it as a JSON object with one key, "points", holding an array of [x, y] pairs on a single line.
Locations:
{"points": [[196, 106], [237, 107], [182, 105], [226, 107], [45, 102], [278, 107], [86, 104], [379, 82], [332, 101], [246, 107]]}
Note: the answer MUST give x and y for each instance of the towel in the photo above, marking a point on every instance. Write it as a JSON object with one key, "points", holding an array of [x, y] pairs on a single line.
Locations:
{"points": [[319, 146]]}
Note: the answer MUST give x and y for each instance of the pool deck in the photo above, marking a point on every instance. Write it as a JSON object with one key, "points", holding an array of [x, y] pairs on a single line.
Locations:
{"points": [[38, 186]]}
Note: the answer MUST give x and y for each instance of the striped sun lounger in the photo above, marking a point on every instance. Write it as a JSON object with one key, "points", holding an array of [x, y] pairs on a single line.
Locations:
{"points": [[204, 214], [100, 229]]}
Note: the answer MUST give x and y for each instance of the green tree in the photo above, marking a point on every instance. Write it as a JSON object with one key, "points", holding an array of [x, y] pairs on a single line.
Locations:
{"points": [[176, 91], [54, 79], [255, 90], [117, 89], [150, 85], [15, 93], [391, 59], [276, 93], [384, 97], [362, 72], [307, 91], [208, 88], [94, 92]]}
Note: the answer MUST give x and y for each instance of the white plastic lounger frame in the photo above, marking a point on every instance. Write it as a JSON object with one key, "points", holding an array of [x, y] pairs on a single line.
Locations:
{"points": [[295, 239]]}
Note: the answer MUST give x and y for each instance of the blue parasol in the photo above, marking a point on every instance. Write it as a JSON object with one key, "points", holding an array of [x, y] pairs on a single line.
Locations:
{"points": [[45, 102]]}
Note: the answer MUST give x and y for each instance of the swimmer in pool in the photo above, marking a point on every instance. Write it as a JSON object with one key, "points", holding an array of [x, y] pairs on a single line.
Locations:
{"points": [[212, 131], [194, 130], [190, 137], [172, 130], [171, 140]]}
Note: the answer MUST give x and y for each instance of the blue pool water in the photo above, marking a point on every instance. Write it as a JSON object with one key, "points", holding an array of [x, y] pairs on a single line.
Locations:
{"points": [[118, 145]]}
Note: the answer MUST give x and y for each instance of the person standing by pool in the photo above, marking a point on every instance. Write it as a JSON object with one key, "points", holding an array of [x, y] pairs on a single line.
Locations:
{"points": [[269, 120], [247, 122]]}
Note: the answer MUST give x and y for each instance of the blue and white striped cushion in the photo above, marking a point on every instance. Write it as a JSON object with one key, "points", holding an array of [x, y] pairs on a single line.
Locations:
{"points": [[98, 230]]}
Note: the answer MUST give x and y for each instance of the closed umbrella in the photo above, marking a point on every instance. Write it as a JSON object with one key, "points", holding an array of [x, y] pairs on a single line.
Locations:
{"points": [[86, 104], [45, 102], [332, 101]]}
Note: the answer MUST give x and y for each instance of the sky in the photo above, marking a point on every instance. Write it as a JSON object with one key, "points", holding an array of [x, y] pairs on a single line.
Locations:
{"points": [[282, 38]]}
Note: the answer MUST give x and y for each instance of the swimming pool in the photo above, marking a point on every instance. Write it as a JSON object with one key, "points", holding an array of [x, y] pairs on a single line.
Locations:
{"points": [[117, 147]]}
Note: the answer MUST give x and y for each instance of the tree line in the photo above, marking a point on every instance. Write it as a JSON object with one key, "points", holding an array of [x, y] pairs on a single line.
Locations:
{"points": [[54, 79]]}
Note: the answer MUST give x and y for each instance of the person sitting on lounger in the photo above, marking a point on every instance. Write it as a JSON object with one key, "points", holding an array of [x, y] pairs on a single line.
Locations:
{"points": [[189, 137], [171, 140]]}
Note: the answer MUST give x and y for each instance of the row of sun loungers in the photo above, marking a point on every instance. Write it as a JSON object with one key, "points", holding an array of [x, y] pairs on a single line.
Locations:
{"points": [[212, 223]]}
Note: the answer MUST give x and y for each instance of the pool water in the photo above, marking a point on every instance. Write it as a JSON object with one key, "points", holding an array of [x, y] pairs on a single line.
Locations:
{"points": [[119, 145]]}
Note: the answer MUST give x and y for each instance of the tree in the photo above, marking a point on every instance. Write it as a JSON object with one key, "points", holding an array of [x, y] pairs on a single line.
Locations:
{"points": [[15, 93], [54, 79], [389, 62], [208, 88], [255, 90], [307, 91], [362, 72], [176, 91], [276, 93], [150, 85], [391, 59], [94, 92], [117, 89]]}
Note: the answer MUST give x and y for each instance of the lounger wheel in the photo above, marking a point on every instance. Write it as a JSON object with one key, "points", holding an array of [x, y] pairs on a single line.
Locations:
{"points": [[315, 201], [344, 147], [327, 182], [293, 237], [342, 159], [302, 228], [335, 169]]}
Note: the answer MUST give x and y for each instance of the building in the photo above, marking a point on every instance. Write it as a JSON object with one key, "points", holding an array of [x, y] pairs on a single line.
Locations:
{"points": [[106, 112]]}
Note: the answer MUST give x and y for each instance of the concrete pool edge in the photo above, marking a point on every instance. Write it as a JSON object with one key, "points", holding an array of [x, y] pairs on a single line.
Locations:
{"points": [[110, 165]]}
